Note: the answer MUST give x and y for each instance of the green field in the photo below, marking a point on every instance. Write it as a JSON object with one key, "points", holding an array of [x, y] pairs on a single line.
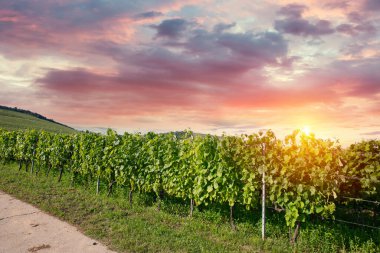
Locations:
{"points": [[12, 120]]}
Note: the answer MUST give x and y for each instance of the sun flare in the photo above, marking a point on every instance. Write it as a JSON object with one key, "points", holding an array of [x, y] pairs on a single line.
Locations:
{"points": [[306, 130]]}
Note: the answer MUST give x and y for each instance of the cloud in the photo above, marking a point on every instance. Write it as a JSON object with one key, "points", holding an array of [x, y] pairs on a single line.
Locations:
{"points": [[236, 52], [80, 14], [356, 17], [216, 68], [347, 29], [30, 28], [303, 27], [295, 24], [349, 78], [203, 56], [360, 77], [339, 4], [149, 95], [293, 10], [372, 133], [358, 24], [148, 15], [372, 5], [264, 47], [171, 28], [75, 81], [221, 27], [114, 92], [350, 29], [160, 79]]}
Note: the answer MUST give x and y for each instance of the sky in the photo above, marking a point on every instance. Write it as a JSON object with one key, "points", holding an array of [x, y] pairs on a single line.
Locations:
{"points": [[211, 66]]}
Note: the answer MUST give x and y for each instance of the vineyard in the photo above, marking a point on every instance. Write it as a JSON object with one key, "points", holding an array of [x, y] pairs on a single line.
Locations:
{"points": [[300, 176]]}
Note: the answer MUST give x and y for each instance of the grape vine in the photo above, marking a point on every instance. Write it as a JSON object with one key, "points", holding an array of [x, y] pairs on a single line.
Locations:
{"points": [[303, 175]]}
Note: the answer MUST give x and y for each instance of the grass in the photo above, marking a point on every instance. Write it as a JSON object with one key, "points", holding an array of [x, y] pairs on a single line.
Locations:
{"points": [[142, 228], [12, 120]]}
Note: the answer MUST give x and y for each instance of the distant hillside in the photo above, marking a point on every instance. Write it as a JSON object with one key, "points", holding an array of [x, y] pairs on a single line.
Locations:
{"points": [[15, 118]]}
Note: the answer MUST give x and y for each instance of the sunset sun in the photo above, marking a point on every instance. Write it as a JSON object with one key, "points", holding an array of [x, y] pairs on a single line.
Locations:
{"points": [[306, 130]]}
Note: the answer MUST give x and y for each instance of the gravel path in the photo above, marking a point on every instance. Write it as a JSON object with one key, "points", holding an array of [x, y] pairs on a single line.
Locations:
{"points": [[24, 228]]}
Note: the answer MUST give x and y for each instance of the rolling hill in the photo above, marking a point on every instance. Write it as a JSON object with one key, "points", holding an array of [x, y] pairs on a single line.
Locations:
{"points": [[15, 119]]}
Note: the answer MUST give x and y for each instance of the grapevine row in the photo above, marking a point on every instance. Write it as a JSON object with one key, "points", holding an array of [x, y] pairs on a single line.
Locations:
{"points": [[304, 175]]}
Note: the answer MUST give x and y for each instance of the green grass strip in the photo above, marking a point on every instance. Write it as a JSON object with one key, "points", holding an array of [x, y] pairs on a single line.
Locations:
{"points": [[142, 228]]}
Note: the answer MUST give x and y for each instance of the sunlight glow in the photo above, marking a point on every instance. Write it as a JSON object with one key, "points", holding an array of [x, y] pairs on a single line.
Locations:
{"points": [[306, 130]]}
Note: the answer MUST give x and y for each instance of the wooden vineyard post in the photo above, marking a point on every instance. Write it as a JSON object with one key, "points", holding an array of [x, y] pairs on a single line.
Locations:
{"points": [[263, 197], [130, 198], [60, 174], [191, 207], [97, 185], [34, 153], [296, 233], [233, 226]]}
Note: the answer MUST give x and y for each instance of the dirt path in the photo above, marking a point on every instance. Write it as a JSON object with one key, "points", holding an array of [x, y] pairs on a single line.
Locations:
{"points": [[24, 228]]}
